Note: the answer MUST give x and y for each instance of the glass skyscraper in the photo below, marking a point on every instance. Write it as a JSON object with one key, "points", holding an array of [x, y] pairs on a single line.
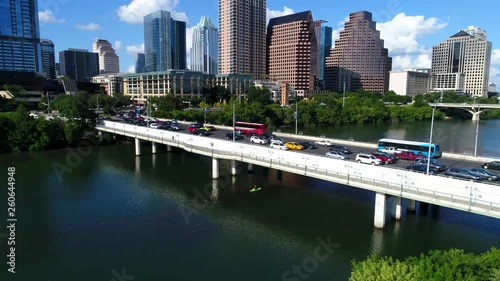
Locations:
{"points": [[325, 44], [79, 65], [48, 59], [139, 61], [178, 44], [204, 49], [20, 48]]}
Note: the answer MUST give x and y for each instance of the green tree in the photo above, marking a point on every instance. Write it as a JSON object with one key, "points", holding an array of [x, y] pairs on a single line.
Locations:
{"points": [[6, 125], [78, 117], [21, 136], [169, 103], [259, 95]]}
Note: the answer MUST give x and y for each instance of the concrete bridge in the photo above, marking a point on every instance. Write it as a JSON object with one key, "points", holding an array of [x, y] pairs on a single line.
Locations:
{"points": [[474, 197], [474, 109]]}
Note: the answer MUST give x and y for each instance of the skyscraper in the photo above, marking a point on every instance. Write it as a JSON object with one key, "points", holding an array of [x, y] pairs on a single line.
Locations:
{"points": [[325, 44], [48, 59], [79, 65], [462, 62], [178, 44], [139, 62], [109, 62], [292, 49], [359, 59], [20, 48], [242, 37], [204, 53]]}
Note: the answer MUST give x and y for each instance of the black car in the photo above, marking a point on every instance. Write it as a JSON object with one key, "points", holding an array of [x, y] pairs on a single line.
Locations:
{"points": [[340, 148], [200, 132], [308, 145], [434, 163], [484, 174], [420, 168], [495, 165], [196, 124], [229, 136], [461, 173]]}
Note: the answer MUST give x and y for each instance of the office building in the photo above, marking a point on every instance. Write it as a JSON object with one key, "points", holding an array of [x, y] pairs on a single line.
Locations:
{"points": [[492, 88], [410, 82], [139, 62], [109, 62], [325, 44], [178, 44], [79, 65], [292, 51], [20, 47], [359, 59], [242, 37], [48, 59], [466, 53], [110, 83], [204, 48]]}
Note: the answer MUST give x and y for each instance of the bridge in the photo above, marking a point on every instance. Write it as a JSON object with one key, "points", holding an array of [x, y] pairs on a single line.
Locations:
{"points": [[474, 109], [475, 197]]}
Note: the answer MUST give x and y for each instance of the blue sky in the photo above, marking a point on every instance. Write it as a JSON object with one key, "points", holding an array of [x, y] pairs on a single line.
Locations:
{"points": [[410, 27]]}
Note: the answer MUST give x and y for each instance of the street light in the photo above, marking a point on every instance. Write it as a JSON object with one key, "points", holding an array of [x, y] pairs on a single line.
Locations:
{"points": [[477, 128], [430, 138], [296, 114], [343, 94], [234, 120]]}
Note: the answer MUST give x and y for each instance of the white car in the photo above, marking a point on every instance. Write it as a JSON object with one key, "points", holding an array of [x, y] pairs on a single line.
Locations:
{"points": [[278, 145], [336, 155], [368, 159], [256, 139], [154, 125], [324, 143]]}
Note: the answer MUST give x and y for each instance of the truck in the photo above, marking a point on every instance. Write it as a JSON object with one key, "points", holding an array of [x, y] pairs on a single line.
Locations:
{"points": [[390, 150]]}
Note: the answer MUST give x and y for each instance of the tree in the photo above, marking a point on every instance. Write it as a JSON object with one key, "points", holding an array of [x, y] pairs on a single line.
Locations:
{"points": [[169, 103], [78, 117], [6, 125], [259, 95], [16, 90], [21, 137]]}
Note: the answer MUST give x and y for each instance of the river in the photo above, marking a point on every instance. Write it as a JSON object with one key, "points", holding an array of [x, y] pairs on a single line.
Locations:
{"points": [[115, 216]]}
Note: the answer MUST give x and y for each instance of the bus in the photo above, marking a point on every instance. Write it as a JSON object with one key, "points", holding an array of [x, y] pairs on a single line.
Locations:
{"points": [[250, 128], [417, 148]]}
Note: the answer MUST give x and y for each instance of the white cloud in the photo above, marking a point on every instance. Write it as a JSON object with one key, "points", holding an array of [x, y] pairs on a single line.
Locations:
{"points": [[118, 45], [131, 69], [90, 27], [189, 42], [48, 16], [277, 13], [135, 11], [132, 49]]}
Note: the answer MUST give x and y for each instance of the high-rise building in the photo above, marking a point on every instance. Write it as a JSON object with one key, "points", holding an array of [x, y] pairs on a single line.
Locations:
{"points": [[204, 49], [466, 53], [79, 65], [164, 42], [109, 62], [359, 59], [410, 82], [325, 44], [242, 37], [48, 59], [139, 61], [20, 48], [292, 51]]}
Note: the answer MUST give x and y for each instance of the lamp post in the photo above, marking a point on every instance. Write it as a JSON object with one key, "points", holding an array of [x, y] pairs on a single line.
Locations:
{"points": [[343, 94], [430, 138], [234, 120], [296, 114], [477, 128]]}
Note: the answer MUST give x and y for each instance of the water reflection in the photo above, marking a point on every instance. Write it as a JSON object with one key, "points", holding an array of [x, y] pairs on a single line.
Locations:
{"points": [[377, 241], [137, 165], [215, 191]]}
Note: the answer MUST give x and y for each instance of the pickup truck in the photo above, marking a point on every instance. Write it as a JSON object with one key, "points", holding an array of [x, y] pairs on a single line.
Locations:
{"points": [[390, 150], [406, 155]]}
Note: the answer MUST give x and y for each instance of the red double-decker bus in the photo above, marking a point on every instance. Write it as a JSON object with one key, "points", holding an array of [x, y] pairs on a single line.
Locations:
{"points": [[250, 128]]}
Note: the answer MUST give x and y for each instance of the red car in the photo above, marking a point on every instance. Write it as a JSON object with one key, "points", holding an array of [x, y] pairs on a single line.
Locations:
{"points": [[383, 158], [192, 128], [407, 155]]}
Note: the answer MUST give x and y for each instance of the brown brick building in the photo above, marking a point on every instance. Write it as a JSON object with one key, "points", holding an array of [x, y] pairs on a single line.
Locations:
{"points": [[359, 59]]}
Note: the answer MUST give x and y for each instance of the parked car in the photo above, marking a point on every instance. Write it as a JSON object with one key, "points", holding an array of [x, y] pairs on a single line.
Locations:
{"points": [[368, 159], [229, 136], [484, 174], [419, 168], [383, 158], [294, 146], [434, 163], [407, 155], [308, 145], [335, 154], [461, 173], [495, 165], [256, 139], [324, 143], [340, 148], [201, 132], [278, 145]]}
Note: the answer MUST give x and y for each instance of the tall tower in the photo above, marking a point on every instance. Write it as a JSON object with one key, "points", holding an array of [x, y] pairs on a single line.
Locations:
{"points": [[157, 41], [462, 62], [204, 52], [139, 61], [359, 59], [20, 47], [80, 65], [242, 37], [48, 59], [325, 44], [109, 62], [178, 44]]}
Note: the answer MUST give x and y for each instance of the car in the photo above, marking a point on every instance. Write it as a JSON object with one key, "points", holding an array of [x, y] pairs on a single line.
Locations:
{"points": [[275, 138], [308, 145], [229, 136], [155, 125], [256, 139], [335, 154], [192, 128], [294, 146], [390, 150], [323, 143], [367, 159], [407, 155], [200, 132], [196, 124], [383, 158], [278, 145], [208, 128], [484, 174], [419, 168], [494, 165], [461, 173], [340, 148], [174, 127], [391, 156], [434, 163]]}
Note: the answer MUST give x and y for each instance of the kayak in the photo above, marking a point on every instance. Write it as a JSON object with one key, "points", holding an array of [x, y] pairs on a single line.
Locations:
{"points": [[255, 189]]}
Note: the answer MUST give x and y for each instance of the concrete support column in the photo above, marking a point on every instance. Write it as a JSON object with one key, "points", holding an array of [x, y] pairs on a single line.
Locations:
{"points": [[169, 148], [215, 168], [154, 147], [379, 220], [279, 173], [250, 167], [397, 208], [233, 168], [100, 136], [411, 205], [137, 147], [475, 116]]}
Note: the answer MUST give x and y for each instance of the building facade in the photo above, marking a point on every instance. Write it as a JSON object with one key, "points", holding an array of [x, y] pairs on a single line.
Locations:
{"points": [[292, 51], [139, 62], [178, 46], [467, 52], [359, 59], [236, 84], [448, 82], [110, 83], [20, 47], [79, 65], [325, 44], [410, 82], [242, 37], [204, 48], [109, 62], [48, 59]]}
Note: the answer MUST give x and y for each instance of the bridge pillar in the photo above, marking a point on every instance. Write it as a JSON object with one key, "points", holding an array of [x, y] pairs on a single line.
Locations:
{"points": [[379, 219], [169, 148], [215, 168], [154, 147], [233, 168], [279, 173], [475, 116], [411, 205], [100, 136], [250, 167], [397, 208], [137, 147]]}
